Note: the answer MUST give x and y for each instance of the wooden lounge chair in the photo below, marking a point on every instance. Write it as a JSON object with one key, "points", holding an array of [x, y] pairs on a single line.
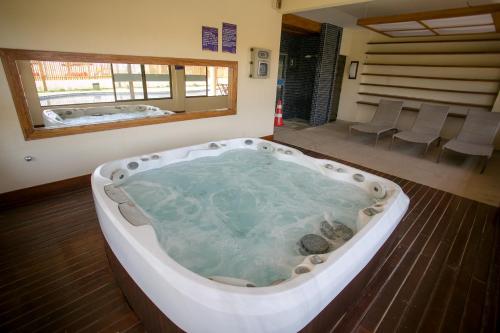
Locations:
{"points": [[427, 127], [476, 136], [384, 119]]}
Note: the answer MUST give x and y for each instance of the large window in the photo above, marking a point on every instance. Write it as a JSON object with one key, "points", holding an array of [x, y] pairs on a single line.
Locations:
{"points": [[67, 93], [64, 83], [206, 81]]}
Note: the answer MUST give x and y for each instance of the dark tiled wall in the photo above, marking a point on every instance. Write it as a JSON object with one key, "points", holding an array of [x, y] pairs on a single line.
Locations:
{"points": [[299, 80], [329, 47]]}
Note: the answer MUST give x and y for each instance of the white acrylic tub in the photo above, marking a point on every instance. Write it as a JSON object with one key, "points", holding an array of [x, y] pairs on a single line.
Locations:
{"points": [[197, 304]]}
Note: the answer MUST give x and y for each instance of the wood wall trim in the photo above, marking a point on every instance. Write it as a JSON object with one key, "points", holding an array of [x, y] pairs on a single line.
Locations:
{"points": [[437, 41], [10, 56], [446, 13], [433, 53], [37, 193], [425, 65], [432, 77], [496, 20], [293, 23], [429, 89], [426, 100], [409, 108]]}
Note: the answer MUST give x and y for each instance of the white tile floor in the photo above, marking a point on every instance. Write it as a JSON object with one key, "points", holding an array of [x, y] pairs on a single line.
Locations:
{"points": [[455, 173]]}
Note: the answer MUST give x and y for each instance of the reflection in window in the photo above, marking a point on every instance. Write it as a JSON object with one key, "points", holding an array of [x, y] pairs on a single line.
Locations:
{"points": [[128, 81], [66, 83], [218, 78], [60, 83], [196, 80], [157, 81], [206, 81]]}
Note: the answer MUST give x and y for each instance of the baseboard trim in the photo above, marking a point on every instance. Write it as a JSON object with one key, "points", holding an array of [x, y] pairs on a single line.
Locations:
{"points": [[37, 193]]}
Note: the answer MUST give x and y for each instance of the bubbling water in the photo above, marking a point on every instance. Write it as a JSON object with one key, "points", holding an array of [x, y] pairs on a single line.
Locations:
{"points": [[241, 214]]}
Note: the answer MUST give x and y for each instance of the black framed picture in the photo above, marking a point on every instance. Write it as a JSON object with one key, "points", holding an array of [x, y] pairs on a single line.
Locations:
{"points": [[353, 70]]}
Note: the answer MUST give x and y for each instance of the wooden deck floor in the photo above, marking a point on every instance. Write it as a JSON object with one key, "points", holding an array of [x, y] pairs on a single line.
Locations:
{"points": [[442, 273]]}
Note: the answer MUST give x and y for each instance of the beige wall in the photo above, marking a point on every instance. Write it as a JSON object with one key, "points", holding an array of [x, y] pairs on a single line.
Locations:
{"points": [[164, 28], [354, 46]]}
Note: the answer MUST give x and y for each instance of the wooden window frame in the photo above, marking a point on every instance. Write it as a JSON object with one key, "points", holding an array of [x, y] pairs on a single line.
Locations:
{"points": [[11, 56]]}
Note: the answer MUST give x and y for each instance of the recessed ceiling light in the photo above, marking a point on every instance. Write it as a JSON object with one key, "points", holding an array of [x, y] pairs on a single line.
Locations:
{"points": [[397, 26], [410, 33], [484, 19], [466, 30]]}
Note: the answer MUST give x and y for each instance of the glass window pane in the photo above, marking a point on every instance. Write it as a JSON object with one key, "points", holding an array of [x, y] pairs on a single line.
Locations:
{"points": [[158, 81], [63, 83], [196, 80], [218, 79], [128, 81]]}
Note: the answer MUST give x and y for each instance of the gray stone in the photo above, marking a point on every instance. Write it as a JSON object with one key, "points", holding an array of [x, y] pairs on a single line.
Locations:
{"points": [[314, 244], [316, 260], [336, 231], [302, 270], [327, 230], [370, 211]]}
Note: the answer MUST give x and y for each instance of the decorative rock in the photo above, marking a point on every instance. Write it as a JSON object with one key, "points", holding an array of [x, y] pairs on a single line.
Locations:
{"points": [[338, 231], [316, 260], [301, 270], [327, 230], [370, 211], [314, 244]]}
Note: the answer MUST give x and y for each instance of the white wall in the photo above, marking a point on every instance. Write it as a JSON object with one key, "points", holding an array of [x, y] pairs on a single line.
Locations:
{"points": [[148, 28]]}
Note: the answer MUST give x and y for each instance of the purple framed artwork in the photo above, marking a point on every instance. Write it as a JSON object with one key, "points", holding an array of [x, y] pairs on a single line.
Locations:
{"points": [[228, 37], [209, 39]]}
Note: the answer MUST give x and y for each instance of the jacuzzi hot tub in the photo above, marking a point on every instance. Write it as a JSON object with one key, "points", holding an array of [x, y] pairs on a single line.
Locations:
{"points": [[62, 117], [199, 304]]}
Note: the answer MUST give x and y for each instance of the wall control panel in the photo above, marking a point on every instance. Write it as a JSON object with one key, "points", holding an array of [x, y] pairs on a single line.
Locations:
{"points": [[260, 63]]}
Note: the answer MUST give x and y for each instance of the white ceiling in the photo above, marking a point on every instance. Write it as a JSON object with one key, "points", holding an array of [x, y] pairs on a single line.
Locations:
{"points": [[346, 16]]}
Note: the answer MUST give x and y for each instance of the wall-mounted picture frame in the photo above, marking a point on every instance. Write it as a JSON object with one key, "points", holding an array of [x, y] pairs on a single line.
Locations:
{"points": [[353, 70]]}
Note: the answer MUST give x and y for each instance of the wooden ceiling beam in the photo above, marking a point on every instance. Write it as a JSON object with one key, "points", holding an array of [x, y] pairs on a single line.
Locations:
{"points": [[294, 23], [437, 14], [496, 20]]}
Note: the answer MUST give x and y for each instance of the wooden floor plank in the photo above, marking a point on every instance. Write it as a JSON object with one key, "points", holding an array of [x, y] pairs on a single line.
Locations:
{"points": [[441, 270]]}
